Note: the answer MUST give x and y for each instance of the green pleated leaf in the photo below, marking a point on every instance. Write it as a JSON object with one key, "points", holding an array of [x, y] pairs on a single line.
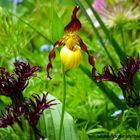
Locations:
{"points": [[49, 123]]}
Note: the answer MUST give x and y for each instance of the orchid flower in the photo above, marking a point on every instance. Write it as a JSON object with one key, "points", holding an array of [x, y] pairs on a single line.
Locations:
{"points": [[72, 45]]}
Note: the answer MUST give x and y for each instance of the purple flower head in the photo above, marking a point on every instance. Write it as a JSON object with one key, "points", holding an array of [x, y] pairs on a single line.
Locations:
{"points": [[99, 5], [124, 78], [12, 85], [30, 109], [24, 71], [38, 108]]}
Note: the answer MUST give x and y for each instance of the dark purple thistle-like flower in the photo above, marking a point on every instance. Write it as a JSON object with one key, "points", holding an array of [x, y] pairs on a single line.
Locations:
{"points": [[38, 108], [124, 78], [12, 85], [7, 82], [24, 71], [29, 109]]}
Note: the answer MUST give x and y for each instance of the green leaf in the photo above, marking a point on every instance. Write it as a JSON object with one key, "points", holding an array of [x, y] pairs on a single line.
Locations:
{"points": [[15, 132], [67, 2], [96, 130], [6, 3], [84, 135], [49, 123], [57, 27]]}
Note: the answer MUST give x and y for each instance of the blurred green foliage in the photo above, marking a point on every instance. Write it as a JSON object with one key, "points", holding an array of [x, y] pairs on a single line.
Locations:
{"points": [[30, 24]]}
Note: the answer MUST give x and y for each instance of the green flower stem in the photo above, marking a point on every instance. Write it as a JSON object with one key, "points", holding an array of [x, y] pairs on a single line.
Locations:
{"points": [[63, 103], [122, 36]]}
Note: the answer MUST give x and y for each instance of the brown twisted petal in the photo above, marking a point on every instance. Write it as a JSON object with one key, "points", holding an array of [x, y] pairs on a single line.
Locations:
{"points": [[74, 25], [84, 48], [90, 57], [52, 56]]}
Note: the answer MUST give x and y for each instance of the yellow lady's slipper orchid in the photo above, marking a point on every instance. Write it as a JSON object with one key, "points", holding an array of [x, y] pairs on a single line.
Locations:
{"points": [[71, 52], [71, 58]]}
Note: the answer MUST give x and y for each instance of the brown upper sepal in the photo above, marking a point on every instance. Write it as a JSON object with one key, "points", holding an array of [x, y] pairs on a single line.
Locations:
{"points": [[74, 25]]}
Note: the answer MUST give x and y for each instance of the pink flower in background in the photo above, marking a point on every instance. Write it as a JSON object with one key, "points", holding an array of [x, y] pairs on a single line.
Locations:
{"points": [[99, 5]]}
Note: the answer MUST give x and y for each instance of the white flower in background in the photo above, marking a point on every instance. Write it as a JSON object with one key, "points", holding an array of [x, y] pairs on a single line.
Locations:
{"points": [[119, 13]]}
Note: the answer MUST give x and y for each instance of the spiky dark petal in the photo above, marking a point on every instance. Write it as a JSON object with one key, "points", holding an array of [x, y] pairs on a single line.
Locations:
{"points": [[108, 75], [38, 108], [7, 82], [24, 71]]}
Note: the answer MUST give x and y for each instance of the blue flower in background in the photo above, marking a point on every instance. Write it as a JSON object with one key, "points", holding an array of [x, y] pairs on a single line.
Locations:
{"points": [[121, 97], [116, 113], [17, 1], [46, 48]]}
